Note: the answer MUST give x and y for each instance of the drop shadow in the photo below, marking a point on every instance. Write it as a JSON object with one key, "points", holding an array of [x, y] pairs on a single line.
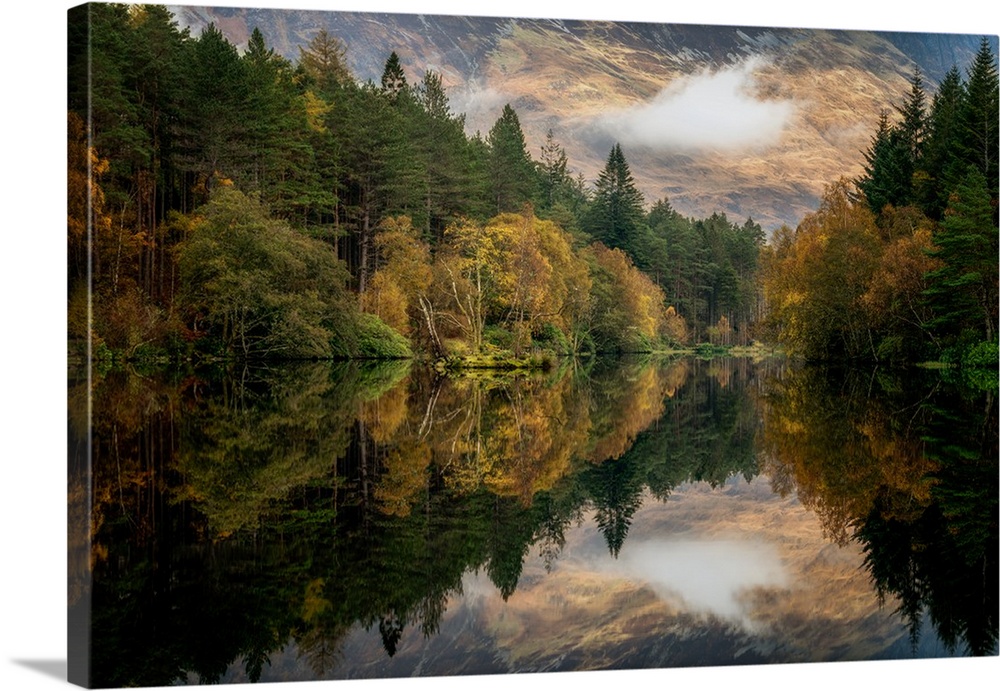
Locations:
{"points": [[50, 668]]}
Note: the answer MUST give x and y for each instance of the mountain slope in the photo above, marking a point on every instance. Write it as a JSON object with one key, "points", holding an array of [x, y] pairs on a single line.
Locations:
{"points": [[749, 121]]}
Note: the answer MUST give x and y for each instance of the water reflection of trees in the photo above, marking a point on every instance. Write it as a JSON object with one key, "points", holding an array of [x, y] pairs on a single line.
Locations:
{"points": [[235, 516], [906, 464]]}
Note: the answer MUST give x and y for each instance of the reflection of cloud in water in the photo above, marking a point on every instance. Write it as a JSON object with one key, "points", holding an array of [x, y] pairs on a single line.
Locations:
{"points": [[477, 587], [706, 576]]}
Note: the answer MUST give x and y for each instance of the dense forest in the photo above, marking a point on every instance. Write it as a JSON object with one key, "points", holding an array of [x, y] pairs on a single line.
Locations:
{"points": [[232, 203], [245, 206], [900, 265]]}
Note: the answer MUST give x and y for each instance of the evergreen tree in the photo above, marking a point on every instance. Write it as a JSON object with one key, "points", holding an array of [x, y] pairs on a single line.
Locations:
{"points": [[560, 197], [551, 171], [215, 125], [913, 127], [393, 77], [381, 168], [616, 213], [432, 97], [439, 136], [615, 488], [962, 294], [478, 186], [979, 118], [511, 169], [684, 266], [720, 292], [99, 62], [276, 126], [888, 168], [941, 147]]}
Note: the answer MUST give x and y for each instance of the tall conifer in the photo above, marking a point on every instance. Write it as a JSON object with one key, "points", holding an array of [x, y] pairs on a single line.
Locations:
{"points": [[962, 294], [393, 77], [941, 147], [979, 117], [511, 170], [616, 213]]}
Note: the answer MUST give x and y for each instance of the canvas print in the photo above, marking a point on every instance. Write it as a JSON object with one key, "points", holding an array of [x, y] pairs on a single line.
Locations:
{"points": [[436, 345]]}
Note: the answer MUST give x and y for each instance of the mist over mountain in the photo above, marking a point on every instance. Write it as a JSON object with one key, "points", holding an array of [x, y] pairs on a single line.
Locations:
{"points": [[749, 121]]}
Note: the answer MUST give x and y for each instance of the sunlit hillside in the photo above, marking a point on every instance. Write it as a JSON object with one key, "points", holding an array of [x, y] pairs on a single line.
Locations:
{"points": [[749, 121]]}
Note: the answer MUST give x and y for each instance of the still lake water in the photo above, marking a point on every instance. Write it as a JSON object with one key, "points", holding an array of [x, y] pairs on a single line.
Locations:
{"points": [[324, 521]]}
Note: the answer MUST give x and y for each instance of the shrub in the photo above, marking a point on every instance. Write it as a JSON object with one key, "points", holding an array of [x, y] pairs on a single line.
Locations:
{"points": [[550, 336], [378, 340], [498, 336], [981, 355]]}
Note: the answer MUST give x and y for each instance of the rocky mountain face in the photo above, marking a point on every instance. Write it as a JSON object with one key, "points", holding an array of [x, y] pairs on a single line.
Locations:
{"points": [[747, 121]]}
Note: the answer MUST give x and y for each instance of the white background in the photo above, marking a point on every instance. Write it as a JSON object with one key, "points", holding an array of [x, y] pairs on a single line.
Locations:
{"points": [[32, 336]]}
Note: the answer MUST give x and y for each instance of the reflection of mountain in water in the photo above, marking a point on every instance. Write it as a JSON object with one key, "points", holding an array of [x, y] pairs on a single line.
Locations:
{"points": [[304, 507]]}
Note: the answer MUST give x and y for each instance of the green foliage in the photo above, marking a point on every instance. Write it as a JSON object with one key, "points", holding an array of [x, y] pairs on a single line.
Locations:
{"points": [[498, 337], [177, 119], [709, 350], [393, 77], [261, 288], [895, 154], [551, 337], [892, 349], [962, 292], [616, 212], [888, 168], [941, 150], [983, 355], [454, 185], [377, 340], [979, 115], [511, 169]]}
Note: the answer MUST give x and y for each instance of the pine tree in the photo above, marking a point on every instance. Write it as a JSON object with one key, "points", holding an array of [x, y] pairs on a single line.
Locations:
{"points": [[616, 213], [439, 137], [979, 117], [888, 168], [913, 128], [560, 197], [380, 165], [215, 125], [941, 146], [552, 171], [511, 169], [275, 123], [393, 77], [432, 97], [962, 294]]}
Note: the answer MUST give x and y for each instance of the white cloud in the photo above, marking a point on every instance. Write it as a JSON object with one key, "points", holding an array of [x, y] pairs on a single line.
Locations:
{"points": [[481, 106], [708, 576], [709, 110]]}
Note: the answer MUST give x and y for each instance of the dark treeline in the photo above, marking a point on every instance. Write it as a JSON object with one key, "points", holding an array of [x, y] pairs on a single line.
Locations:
{"points": [[242, 204], [904, 464], [900, 265]]}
